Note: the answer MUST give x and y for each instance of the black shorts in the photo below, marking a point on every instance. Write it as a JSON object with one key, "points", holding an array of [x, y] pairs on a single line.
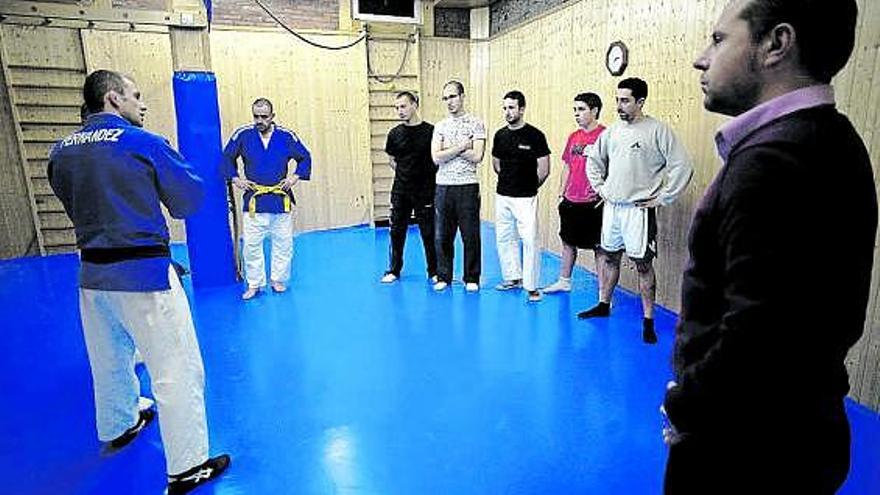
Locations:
{"points": [[580, 224]]}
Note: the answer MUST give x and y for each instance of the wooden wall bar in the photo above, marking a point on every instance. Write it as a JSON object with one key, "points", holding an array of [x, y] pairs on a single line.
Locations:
{"points": [[18, 232], [45, 67]]}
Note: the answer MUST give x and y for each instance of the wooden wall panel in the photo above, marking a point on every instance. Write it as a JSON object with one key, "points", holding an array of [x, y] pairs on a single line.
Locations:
{"points": [[570, 60], [858, 94], [146, 58], [443, 59], [664, 37], [322, 96]]}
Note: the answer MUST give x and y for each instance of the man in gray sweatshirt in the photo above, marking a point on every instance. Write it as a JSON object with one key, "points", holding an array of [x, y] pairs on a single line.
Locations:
{"points": [[636, 166]]}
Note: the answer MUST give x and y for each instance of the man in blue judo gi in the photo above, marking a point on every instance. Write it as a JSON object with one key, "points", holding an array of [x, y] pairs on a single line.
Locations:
{"points": [[111, 176], [268, 152]]}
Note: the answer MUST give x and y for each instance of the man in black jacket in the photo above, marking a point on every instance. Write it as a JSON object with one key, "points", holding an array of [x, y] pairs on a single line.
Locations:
{"points": [[757, 405]]}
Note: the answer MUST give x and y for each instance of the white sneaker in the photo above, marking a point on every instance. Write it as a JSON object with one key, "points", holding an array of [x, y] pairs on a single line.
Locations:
{"points": [[472, 287], [389, 278], [558, 286], [145, 403], [440, 286], [509, 285], [433, 279]]}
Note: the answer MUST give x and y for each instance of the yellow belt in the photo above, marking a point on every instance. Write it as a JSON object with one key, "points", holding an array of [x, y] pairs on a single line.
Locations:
{"points": [[260, 190]]}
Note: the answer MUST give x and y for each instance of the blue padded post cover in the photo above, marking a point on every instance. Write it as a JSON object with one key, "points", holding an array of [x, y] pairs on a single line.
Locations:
{"points": [[208, 237]]}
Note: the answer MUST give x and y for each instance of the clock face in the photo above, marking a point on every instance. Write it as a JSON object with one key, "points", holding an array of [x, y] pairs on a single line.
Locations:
{"points": [[616, 58]]}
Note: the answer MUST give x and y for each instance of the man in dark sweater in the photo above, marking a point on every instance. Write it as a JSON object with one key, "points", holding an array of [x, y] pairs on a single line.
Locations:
{"points": [[409, 148], [757, 405]]}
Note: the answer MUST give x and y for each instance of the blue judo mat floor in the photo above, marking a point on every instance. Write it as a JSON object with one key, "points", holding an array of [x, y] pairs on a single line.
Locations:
{"points": [[345, 386]]}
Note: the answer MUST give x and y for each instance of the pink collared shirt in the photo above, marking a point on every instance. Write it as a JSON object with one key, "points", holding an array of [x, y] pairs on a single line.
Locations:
{"points": [[731, 133]]}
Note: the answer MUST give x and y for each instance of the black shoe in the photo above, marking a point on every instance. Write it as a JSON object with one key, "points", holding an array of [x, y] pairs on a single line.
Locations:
{"points": [[649, 336], [191, 479], [144, 418], [601, 310]]}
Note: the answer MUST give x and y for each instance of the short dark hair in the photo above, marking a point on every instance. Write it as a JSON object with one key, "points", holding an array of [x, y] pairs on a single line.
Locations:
{"points": [[592, 100], [516, 95], [459, 86], [263, 102], [84, 112], [408, 95], [826, 30], [638, 87], [98, 84]]}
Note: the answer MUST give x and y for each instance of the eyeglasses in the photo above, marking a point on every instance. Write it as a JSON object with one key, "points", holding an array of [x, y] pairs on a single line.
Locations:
{"points": [[449, 97]]}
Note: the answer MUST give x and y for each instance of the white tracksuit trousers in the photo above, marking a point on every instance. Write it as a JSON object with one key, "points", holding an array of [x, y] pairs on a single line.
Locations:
{"points": [[516, 219]]}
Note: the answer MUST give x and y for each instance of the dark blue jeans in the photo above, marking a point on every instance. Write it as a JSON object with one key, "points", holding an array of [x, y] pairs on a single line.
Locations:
{"points": [[458, 208]]}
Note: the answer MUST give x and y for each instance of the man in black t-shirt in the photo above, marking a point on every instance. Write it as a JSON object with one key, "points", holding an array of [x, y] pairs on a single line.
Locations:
{"points": [[521, 158], [409, 148]]}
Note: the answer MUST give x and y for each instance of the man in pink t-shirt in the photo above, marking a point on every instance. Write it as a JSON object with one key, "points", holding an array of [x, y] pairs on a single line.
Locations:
{"points": [[580, 208]]}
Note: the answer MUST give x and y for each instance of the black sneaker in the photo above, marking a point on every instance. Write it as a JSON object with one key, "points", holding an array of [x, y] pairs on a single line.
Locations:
{"points": [[601, 310], [191, 479], [146, 417]]}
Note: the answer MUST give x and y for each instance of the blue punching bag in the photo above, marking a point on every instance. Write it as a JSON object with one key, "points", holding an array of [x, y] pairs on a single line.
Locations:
{"points": [[208, 238]]}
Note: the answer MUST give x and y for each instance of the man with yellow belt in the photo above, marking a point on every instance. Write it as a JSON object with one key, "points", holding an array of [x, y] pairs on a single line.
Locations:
{"points": [[267, 151]]}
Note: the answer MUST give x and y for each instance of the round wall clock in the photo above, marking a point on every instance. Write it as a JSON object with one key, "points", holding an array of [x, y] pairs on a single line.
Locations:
{"points": [[617, 58]]}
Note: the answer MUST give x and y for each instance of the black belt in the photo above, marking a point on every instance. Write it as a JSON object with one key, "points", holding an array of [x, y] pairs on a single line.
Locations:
{"points": [[103, 256]]}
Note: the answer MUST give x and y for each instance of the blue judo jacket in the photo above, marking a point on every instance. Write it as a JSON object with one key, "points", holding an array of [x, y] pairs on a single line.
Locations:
{"points": [[266, 165], [111, 177]]}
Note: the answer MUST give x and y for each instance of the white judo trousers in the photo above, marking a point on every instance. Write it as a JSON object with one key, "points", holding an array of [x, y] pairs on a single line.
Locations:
{"points": [[279, 227], [516, 219], [160, 325]]}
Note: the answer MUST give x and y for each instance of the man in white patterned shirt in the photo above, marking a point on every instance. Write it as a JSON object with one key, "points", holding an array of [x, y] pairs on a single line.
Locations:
{"points": [[457, 148]]}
